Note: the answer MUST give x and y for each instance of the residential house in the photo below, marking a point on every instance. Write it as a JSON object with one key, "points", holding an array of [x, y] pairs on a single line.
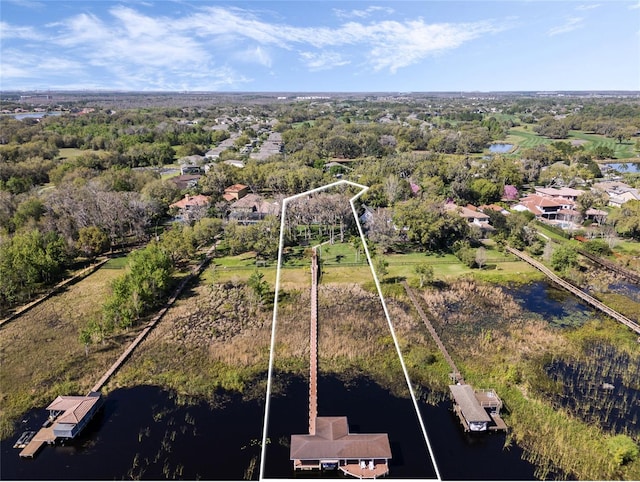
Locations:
{"points": [[474, 217], [556, 193], [618, 192], [191, 207], [252, 208], [235, 192], [559, 210]]}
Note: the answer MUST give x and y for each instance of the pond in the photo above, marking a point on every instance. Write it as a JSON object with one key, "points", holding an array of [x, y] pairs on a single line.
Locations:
{"points": [[623, 167], [559, 307], [35, 115], [144, 433], [500, 148]]}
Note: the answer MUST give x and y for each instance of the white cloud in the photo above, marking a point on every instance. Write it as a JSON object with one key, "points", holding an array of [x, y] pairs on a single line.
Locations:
{"points": [[635, 6], [25, 33], [367, 12], [590, 6], [571, 23], [257, 55], [132, 50], [323, 60]]}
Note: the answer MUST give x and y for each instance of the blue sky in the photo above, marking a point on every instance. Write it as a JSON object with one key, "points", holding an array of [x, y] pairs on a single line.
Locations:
{"points": [[320, 46]]}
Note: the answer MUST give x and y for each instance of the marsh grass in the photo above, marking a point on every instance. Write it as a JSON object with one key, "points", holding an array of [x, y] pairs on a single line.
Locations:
{"points": [[496, 344]]}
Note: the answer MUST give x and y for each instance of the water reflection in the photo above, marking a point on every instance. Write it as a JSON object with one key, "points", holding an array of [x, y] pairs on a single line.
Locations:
{"points": [[144, 433]]}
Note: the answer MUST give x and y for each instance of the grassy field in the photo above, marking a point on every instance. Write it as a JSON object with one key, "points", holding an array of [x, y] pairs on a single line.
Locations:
{"points": [[71, 153], [525, 138], [42, 356]]}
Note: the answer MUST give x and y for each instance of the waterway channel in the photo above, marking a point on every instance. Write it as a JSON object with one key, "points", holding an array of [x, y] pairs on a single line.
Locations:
{"points": [[143, 433]]}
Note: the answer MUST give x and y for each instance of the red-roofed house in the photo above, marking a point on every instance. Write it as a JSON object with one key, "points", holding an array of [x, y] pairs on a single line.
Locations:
{"points": [[190, 206], [235, 192]]}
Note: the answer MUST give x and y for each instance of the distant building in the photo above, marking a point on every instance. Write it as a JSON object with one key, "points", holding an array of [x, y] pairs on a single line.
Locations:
{"points": [[618, 192], [473, 216], [252, 208]]}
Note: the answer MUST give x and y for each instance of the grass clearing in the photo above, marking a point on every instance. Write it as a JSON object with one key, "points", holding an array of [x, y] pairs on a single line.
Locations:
{"points": [[525, 139], [42, 356], [71, 153]]}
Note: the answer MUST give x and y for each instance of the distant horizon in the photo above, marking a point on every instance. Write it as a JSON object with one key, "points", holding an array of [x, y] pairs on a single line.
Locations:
{"points": [[228, 46], [313, 92]]}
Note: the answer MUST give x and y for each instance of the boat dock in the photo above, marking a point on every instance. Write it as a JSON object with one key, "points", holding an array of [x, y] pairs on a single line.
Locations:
{"points": [[313, 346], [478, 410], [455, 373], [329, 445], [43, 436]]}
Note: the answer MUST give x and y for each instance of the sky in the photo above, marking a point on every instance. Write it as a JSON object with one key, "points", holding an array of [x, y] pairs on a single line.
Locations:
{"points": [[320, 46]]}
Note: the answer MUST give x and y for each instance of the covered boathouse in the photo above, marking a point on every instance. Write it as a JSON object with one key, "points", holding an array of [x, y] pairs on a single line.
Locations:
{"points": [[70, 414], [332, 446], [478, 410]]}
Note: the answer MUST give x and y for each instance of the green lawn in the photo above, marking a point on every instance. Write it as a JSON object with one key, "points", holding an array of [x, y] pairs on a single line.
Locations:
{"points": [[526, 138], [72, 153], [338, 266]]}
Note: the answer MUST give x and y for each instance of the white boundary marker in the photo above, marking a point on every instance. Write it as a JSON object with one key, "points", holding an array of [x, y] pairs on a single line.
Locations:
{"points": [[265, 427]]}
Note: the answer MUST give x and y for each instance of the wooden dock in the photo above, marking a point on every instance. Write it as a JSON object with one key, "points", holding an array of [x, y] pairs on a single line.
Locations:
{"points": [[313, 346], [576, 291], [43, 436], [626, 273], [456, 375]]}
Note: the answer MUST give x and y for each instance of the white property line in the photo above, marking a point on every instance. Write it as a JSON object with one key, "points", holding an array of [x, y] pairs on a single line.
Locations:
{"points": [[384, 306]]}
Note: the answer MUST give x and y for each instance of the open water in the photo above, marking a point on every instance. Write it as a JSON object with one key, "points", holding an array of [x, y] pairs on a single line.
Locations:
{"points": [[143, 433]]}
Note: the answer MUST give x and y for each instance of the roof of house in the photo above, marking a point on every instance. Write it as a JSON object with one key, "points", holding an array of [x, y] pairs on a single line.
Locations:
{"points": [[332, 440], [189, 201], [256, 203], [561, 192], [236, 188]]}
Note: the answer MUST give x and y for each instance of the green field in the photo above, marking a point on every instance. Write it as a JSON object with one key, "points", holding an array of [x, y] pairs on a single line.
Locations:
{"points": [[526, 139], [71, 153]]}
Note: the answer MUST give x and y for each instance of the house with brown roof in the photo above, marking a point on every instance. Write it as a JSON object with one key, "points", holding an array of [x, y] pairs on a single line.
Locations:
{"points": [[189, 207], [551, 210], [332, 445], [559, 193], [473, 216], [253, 208], [235, 192]]}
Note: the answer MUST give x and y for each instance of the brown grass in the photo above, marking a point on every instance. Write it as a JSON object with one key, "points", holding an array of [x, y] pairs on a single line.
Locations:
{"points": [[42, 356]]}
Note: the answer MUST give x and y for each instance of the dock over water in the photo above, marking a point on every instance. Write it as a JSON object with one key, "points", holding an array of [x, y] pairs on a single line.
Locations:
{"points": [[313, 345], [478, 410], [330, 445]]}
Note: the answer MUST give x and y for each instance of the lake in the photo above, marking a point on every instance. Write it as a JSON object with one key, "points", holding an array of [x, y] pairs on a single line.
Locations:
{"points": [[500, 148], [35, 115], [144, 433]]}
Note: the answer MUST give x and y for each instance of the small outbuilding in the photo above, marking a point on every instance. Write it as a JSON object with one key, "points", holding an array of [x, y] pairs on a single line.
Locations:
{"points": [[70, 414]]}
